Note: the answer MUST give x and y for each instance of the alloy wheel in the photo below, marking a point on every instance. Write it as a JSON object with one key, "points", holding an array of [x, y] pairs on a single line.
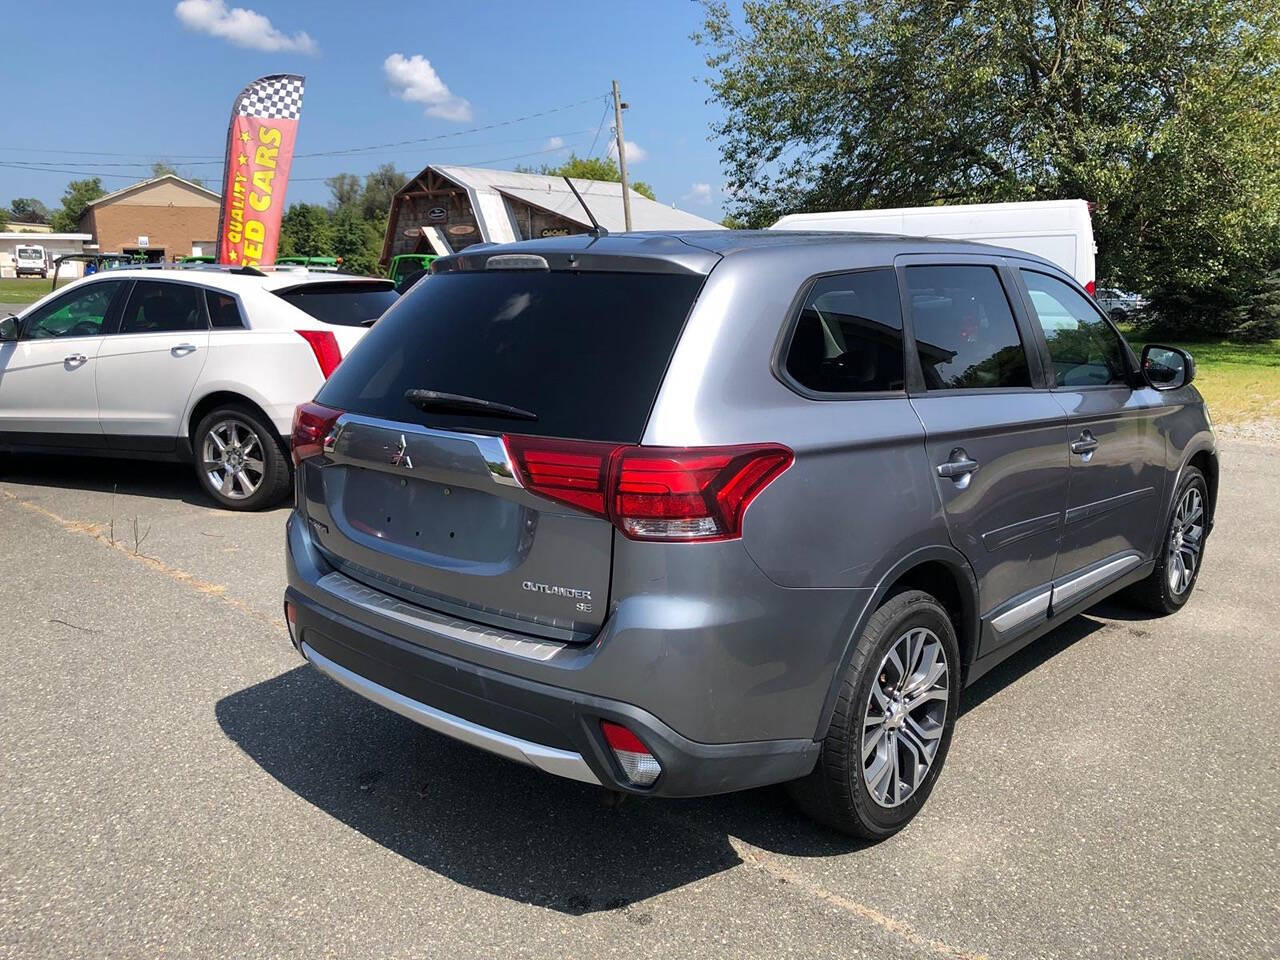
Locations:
{"points": [[905, 716], [1186, 540], [233, 459]]}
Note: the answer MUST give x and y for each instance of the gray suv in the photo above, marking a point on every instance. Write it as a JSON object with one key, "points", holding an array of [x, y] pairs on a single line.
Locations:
{"points": [[685, 514]]}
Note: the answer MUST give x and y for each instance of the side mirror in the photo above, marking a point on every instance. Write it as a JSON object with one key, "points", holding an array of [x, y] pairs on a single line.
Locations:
{"points": [[1167, 368], [8, 329]]}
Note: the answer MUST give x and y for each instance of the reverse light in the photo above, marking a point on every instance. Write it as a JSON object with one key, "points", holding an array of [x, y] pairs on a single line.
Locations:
{"points": [[312, 422], [325, 346], [669, 494], [639, 766]]}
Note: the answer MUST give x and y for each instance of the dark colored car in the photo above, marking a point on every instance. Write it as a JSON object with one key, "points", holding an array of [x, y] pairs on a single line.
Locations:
{"points": [[685, 514]]}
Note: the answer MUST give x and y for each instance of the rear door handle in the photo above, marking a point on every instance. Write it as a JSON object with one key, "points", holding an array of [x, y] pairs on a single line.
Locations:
{"points": [[1085, 445], [182, 348], [76, 358]]}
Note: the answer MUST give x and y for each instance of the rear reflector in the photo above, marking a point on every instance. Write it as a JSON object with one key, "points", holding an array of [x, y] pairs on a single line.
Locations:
{"points": [[325, 346], [291, 617], [668, 494], [639, 766], [312, 422]]}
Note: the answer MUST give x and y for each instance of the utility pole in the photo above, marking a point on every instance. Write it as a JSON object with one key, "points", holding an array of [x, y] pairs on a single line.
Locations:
{"points": [[618, 107]]}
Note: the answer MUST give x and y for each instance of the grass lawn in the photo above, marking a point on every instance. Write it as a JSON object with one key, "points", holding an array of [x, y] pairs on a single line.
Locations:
{"points": [[26, 290], [1240, 382]]}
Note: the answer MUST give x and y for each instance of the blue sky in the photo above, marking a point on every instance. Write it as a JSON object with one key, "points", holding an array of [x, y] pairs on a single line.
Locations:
{"points": [[154, 80]]}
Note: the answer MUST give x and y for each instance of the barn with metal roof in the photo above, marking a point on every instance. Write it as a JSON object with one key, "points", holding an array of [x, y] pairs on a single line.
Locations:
{"points": [[446, 208]]}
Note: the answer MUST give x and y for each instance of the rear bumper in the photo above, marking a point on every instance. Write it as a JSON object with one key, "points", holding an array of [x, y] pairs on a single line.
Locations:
{"points": [[552, 728], [526, 700]]}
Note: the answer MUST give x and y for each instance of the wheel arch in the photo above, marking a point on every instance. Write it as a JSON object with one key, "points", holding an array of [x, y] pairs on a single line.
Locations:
{"points": [[218, 398], [939, 570], [1205, 459]]}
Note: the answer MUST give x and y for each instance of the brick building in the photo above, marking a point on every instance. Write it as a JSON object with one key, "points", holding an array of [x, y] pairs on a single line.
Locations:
{"points": [[162, 219]]}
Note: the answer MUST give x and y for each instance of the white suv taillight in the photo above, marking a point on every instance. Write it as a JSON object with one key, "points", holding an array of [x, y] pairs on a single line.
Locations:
{"points": [[325, 347], [670, 494]]}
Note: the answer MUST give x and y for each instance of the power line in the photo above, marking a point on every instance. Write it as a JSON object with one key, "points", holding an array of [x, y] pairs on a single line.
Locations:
{"points": [[326, 153], [206, 163], [603, 116]]}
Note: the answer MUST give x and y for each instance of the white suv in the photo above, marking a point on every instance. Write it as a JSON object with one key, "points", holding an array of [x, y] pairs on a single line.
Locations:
{"points": [[199, 364]]}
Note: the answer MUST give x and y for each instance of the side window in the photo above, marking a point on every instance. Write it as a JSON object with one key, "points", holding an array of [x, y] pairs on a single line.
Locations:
{"points": [[848, 338], [224, 312], [965, 333], [156, 306], [79, 313], [1083, 349]]}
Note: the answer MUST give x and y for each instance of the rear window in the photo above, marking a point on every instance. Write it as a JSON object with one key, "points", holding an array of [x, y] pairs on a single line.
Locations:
{"points": [[585, 352], [346, 304]]}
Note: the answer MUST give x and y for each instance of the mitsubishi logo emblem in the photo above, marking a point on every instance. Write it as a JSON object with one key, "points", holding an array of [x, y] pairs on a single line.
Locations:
{"points": [[400, 458]]}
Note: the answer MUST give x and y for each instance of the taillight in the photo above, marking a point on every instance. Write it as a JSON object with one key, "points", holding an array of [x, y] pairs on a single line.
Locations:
{"points": [[1091, 288], [311, 424], [652, 493], [639, 766], [325, 346]]}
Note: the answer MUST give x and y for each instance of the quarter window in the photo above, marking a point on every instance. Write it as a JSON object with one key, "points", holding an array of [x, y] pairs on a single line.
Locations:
{"points": [[1083, 349], [159, 307], [965, 333], [224, 312], [79, 313], [848, 338]]}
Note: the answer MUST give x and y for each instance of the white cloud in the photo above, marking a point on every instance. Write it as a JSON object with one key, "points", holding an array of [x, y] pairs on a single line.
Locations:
{"points": [[555, 143], [415, 80], [635, 152], [699, 192], [244, 28]]}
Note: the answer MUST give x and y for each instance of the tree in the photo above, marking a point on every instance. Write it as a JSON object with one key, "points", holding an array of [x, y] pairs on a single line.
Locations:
{"points": [[28, 210], [357, 241], [162, 169], [78, 195], [379, 187], [346, 191], [732, 223], [305, 231], [1164, 115], [1258, 318], [593, 168]]}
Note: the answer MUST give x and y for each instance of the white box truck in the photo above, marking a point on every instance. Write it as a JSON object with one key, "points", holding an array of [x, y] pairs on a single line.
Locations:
{"points": [[1061, 231]]}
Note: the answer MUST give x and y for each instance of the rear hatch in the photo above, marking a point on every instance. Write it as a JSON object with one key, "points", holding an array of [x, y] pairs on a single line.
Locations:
{"points": [[421, 499], [348, 306]]}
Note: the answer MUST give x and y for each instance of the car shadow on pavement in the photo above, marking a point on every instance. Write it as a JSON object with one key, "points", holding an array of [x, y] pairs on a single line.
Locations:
{"points": [[158, 479], [513, 831]]}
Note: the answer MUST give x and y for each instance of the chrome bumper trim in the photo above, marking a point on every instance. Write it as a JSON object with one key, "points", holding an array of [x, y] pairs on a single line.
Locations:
{"points": [[562, 763]]}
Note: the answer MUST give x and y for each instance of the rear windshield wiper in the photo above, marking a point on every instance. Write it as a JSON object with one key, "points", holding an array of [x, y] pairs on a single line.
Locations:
{"points": [[457, 403]]}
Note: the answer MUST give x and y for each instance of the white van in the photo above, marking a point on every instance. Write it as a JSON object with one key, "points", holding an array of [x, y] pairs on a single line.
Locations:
{"points": [[30, 259], [1058, 230]]}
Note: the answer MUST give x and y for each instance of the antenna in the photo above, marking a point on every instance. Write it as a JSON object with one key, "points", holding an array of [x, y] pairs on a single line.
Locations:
{"points": [[596, 231]]}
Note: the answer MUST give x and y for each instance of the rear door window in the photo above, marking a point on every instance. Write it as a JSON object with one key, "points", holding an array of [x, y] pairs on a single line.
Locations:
{"points": [[965, 333], [584, 351], [156, 306], [848, 337], [347, 304]]}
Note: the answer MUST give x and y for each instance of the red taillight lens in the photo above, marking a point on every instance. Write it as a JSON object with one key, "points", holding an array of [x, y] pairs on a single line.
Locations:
{"points": [[311, 424], [652, 493], [1091, 288], [325, 346], [575, 472], [639, 766], [691, 494]]}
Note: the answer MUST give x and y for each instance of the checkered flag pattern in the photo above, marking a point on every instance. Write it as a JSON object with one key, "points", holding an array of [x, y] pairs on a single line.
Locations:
{"points": [[276, 97]]}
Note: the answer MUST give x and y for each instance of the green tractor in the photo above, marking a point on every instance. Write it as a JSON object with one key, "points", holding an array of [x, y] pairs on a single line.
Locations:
{"points": [[405, 265]]}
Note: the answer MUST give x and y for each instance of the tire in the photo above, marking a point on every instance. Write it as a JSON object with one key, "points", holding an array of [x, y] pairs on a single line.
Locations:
{"points": [[837, 792], [233, 423], [1157, 593]]}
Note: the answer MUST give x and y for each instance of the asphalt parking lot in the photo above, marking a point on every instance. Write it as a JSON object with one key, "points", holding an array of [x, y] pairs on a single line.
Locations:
{"points": [[177, 783]]}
